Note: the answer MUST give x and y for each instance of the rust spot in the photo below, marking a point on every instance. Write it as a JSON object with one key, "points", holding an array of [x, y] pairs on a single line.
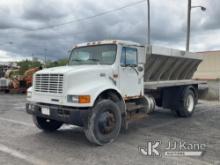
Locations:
{"points": [[141, 93], [132, 97]]}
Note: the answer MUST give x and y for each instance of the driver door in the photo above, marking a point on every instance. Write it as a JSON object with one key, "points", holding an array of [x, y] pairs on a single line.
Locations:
{"points": [[130, 81]]}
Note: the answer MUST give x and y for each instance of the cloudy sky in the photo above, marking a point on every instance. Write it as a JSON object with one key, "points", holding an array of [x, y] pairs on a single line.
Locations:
{"points": [[26, 26]]}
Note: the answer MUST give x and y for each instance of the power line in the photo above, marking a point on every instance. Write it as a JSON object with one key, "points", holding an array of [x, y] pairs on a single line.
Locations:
{"points": [[89, 17]]}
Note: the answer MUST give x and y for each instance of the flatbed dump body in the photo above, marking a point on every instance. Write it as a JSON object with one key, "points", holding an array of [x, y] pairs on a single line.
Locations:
{"points": [[154, 85], [164, 64]]}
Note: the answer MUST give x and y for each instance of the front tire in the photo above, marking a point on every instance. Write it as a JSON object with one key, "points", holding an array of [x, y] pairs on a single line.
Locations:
{"points": [[47, 125], [104, 124]]}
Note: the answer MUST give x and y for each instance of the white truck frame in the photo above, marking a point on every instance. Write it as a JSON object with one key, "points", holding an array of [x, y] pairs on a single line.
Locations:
{"points": [[104, 98]]}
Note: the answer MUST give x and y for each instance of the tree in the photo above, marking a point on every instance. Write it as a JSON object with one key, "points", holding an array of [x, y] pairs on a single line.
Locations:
{"points": [[27, 64], [61, 62]]}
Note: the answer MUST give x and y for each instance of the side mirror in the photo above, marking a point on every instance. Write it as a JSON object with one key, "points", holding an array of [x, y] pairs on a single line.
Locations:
{"points": [[140, 69]]}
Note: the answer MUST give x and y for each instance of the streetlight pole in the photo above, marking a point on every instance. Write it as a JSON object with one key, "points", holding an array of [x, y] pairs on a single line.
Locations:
{"points": [[188, 24], [189, 9], [45, 57], [148, 28]]}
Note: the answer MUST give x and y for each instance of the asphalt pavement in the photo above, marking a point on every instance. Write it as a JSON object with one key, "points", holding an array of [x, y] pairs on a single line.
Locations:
{"points": [[22, 143]]}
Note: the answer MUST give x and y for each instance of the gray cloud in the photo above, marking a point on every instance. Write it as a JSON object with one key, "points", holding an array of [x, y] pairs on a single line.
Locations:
{"points": [[42, 11], [168, 25], [211, 21]]}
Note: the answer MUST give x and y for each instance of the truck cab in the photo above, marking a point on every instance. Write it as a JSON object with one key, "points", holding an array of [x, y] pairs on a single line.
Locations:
{"points": [[100, 89], [92, 68]]}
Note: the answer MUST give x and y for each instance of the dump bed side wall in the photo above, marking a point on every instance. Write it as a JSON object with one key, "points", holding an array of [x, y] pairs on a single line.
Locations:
{"points": [[167, 64]]}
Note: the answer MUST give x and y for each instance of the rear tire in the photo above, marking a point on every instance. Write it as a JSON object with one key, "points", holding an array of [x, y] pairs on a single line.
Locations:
{"points": [[104, 124], [186, 103], [47, 125]]}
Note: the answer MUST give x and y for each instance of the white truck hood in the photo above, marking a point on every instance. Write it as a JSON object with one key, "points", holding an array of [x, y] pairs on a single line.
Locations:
{"points": [[72, 69], [78, 80], [58, 70], [75, 76]]}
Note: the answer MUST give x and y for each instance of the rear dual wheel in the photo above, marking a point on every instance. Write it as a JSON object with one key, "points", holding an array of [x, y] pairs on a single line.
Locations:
{"points": [[186, 102], [104, 123]]}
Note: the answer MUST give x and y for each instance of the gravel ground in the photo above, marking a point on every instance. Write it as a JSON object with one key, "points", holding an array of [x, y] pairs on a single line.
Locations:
{"points": [[22, 143]]}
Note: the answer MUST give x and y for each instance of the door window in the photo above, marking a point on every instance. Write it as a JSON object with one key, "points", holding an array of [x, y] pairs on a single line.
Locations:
{"points": [[129, 57]]}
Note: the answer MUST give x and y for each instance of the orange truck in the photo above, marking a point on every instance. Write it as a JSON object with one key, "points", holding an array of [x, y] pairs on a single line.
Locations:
{"points": [[20, 84]]}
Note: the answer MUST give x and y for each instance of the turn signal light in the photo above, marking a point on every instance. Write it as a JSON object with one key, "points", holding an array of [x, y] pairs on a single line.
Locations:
{"points": [[84, 99]]}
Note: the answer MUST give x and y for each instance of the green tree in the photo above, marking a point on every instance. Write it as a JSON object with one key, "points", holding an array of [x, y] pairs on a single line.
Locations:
{"points": [[61, 62], [27, 64]]}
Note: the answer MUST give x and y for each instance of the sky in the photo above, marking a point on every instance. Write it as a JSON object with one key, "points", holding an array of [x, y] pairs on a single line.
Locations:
{"points": [[26, 26]]}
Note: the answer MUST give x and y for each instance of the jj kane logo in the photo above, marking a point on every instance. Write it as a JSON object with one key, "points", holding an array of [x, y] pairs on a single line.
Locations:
{"points": [[172, 148], [150, 149]]}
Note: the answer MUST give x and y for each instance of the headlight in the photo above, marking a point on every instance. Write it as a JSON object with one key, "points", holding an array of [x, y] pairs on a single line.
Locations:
{"points": [[73, 99], [79, 99], [29, 94]]}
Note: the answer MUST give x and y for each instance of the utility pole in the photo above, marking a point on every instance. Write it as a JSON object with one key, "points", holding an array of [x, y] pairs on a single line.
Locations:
{"points": [[188, 24], [148, 28], [189, 9], [45, 57]]}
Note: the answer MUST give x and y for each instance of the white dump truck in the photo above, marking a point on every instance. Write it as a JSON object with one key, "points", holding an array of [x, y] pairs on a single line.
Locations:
{"points": [[107, 84]]}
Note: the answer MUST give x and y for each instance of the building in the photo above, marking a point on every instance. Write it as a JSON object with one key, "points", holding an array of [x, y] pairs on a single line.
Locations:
{"points": [[209, 70]]}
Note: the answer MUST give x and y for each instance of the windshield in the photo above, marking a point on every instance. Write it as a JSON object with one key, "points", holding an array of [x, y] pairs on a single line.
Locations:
{"points": [[93, 55]]}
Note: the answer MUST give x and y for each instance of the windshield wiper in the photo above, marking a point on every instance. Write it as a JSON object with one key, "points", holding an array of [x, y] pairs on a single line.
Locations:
{"points": [[93, 59], [78, 60]]}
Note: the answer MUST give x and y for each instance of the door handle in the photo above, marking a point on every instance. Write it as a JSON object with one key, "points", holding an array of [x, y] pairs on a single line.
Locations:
{"points": [[134, 69]]}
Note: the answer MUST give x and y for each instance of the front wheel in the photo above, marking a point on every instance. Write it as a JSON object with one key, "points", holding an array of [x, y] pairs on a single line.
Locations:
{"points": [[45, 124], [104, 124]]}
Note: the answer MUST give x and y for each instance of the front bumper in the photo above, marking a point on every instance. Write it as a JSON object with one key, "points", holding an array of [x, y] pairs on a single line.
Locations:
{"points": [[68, 115]]}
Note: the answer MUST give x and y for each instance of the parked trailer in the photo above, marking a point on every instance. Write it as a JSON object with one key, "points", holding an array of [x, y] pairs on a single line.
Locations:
{"points": [[107, 84]]}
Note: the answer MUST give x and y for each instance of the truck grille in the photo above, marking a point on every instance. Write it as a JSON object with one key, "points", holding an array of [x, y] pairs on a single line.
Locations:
{"points": [[49, 83]]}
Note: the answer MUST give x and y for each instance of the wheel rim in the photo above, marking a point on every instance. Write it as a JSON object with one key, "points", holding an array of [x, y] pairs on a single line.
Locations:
{"points": [[106, 123], [48, 121], [190, 103]]}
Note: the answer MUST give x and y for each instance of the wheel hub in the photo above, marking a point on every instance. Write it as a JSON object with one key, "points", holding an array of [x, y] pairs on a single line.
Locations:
{"points": [[190, 103], [106, 123]]}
